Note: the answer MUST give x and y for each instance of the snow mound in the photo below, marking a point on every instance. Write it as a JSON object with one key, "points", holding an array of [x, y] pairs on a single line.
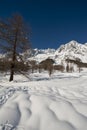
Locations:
{"points": [[59, 103], [39, 112]]}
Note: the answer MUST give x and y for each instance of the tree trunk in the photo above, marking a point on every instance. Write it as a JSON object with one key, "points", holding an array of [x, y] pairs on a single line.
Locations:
{"points": [[12, 72], [13, 58]]}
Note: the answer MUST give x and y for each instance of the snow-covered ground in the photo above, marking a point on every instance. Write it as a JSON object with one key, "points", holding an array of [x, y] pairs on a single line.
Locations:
{"points": [[58, 102]]}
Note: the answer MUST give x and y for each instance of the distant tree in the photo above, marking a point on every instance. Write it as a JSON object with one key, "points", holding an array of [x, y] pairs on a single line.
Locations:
{"points": [[40, 68], [47, 65], [14, 38], [33, 65], [50, 69], [62, 66], [67, 68], [59, 68], [71, 67]]}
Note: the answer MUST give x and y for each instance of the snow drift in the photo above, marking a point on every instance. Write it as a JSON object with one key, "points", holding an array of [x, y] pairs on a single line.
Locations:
{"points": [[55, 103]]}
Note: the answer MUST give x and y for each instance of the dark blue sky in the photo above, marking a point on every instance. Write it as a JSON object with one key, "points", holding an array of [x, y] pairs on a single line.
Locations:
{"points": [[53, 22]]}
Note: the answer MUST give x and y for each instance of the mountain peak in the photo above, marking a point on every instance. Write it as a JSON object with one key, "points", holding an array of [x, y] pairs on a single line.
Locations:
{"points": [[73, 43], [70, 46]]}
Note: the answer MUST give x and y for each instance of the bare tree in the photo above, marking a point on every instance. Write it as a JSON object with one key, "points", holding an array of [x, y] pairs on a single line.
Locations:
{"points": [[15, 36]]}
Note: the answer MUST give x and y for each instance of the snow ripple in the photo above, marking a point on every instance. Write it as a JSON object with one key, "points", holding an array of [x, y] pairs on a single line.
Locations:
{"points": [[55, 104]]}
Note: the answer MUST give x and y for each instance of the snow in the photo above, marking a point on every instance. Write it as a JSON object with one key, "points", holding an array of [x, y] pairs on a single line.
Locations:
{"points": [[58, 102], [71, 50]]}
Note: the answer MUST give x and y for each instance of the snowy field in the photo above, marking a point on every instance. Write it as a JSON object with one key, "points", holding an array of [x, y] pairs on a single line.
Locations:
{"points": [[58, 102]]}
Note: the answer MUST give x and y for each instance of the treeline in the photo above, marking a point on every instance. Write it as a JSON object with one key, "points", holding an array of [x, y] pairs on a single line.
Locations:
{"points": [[76, 62], [50, 66], [6, 64], [45, 65]]}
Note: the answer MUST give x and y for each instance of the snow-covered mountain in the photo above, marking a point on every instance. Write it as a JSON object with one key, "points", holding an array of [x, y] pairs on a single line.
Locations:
{"points": [[72, 50], [42, 54]]}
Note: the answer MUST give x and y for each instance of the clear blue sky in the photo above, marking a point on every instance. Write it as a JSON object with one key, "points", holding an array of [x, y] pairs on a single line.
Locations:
{"points": [[53, 22]]}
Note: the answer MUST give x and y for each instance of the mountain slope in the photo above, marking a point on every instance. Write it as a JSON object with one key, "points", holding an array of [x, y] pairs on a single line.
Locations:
{"points": [[72, 50]]}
